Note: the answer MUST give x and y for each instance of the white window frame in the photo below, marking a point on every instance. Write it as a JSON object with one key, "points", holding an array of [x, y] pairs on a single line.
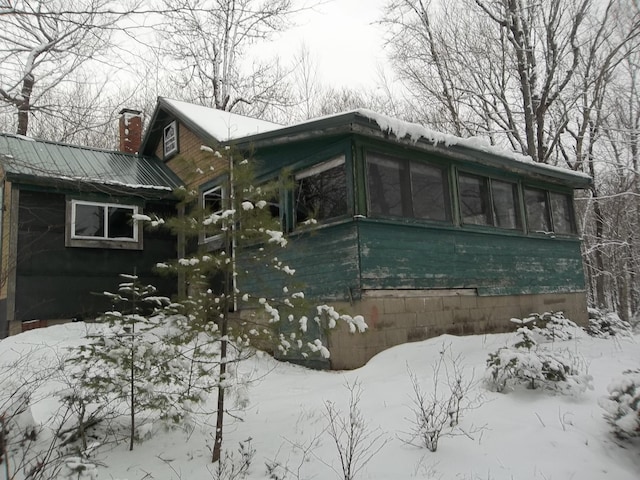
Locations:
{"points": [[217, 238], [320, 168], [170, 142], [105, 241]]}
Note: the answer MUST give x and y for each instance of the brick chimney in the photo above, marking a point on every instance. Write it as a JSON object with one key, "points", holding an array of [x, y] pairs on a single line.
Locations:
{"points": [[130, 130]]}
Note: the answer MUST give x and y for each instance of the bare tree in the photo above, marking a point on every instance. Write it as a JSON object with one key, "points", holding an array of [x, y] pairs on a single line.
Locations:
{"points": [[209, 41], [504, 68], [45, 44]]}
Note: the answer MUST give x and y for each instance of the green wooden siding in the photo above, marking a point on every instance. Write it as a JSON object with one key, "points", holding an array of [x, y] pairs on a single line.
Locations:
{"points": [[325, 260], [399, 256], [339, 261]]}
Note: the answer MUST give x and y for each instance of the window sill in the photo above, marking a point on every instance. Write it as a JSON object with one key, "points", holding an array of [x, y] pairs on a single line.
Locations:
{"points": [[104, 243]]}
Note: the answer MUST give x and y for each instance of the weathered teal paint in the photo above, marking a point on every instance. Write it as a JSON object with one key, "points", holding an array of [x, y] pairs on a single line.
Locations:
{"points": [[325, 260], [402, 256], [359, 252]]}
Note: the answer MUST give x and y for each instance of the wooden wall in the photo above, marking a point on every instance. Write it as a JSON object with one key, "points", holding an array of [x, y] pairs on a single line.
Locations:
{"points": [[56, 282], [405, 256]]}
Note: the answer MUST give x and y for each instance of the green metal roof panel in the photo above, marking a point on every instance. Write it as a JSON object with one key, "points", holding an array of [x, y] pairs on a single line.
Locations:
{"points": [[24, 156]]}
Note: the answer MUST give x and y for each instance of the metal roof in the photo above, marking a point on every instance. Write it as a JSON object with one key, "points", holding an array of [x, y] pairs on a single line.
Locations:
{"points": [[26, 158]]}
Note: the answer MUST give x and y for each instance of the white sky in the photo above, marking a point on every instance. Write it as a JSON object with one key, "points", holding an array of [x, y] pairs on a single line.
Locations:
{"points": [[342, 39]]}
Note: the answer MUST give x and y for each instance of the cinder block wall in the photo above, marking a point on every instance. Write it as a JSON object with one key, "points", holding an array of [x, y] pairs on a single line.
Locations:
{"points": [[396, 317]]}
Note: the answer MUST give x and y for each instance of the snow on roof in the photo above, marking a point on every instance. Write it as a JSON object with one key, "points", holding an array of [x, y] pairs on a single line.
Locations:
{"points": [[415, 132], [220, 124]]}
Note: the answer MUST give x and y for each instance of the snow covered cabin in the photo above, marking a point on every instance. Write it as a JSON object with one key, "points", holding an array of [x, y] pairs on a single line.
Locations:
{"points": [[68, 229], [422, 233]]}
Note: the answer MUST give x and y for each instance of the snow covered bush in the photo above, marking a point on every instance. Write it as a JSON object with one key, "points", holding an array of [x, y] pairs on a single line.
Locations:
{"points": [[553, 326], [536, 365], [605, 324], [623, 404], [235, 465], [356, 442]]}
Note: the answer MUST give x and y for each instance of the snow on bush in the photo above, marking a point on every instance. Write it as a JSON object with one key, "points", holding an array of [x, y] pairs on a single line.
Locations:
{"points": [[553, 326], [623, 404], [535, 365], [604, 324]]}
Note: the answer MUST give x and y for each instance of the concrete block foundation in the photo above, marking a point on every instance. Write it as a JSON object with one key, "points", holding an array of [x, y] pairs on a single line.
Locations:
{"points": [[400, 316]]}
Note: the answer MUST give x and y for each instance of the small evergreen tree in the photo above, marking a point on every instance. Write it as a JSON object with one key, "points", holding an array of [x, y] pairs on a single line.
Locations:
{"points": [[126, 363], [221, 285]]}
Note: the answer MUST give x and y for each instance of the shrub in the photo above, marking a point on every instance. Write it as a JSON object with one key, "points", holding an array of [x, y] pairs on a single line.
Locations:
{"points": [[560, 371], [604, 324], [623, 404], [527, 362], [553, 326], [437, 411]]}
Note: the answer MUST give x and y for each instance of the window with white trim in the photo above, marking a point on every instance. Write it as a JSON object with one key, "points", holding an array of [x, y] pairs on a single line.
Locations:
{"points": [[170, 139], [212, 204], [99, 224]]}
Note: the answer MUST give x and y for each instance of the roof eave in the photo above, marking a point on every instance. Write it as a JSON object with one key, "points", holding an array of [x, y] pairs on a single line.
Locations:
{"points": [[356, 123], [86, 185]]}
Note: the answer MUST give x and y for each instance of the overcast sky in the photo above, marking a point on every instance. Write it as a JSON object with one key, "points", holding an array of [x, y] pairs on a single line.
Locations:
{"points": [[342, 38]]}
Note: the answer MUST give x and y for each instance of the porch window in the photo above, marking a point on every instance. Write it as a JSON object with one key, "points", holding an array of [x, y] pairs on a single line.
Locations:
{"points": [[107, 225], [487, 201], [562, 212], [403, 188], [505, 204], [321, 191], [170, 139], [474, 199], [428, 192], [537, 208]]}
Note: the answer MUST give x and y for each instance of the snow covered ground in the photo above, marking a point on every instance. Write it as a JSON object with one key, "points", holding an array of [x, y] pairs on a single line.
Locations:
{"points": [[521, 434]]}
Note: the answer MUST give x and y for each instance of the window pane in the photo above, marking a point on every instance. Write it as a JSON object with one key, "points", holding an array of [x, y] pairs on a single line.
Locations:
{"points": [[428, 192], [322, 196], [212, 200], [474, 200], [89, 221], [120, 222], [537, 210], [170, 139], [561, 208], [505, 204], [385, 177]]}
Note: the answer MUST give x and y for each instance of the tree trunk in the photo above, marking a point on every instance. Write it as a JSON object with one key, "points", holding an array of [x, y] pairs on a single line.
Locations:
{"points": [[217, 444], [600, 296], [24, 107]]}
